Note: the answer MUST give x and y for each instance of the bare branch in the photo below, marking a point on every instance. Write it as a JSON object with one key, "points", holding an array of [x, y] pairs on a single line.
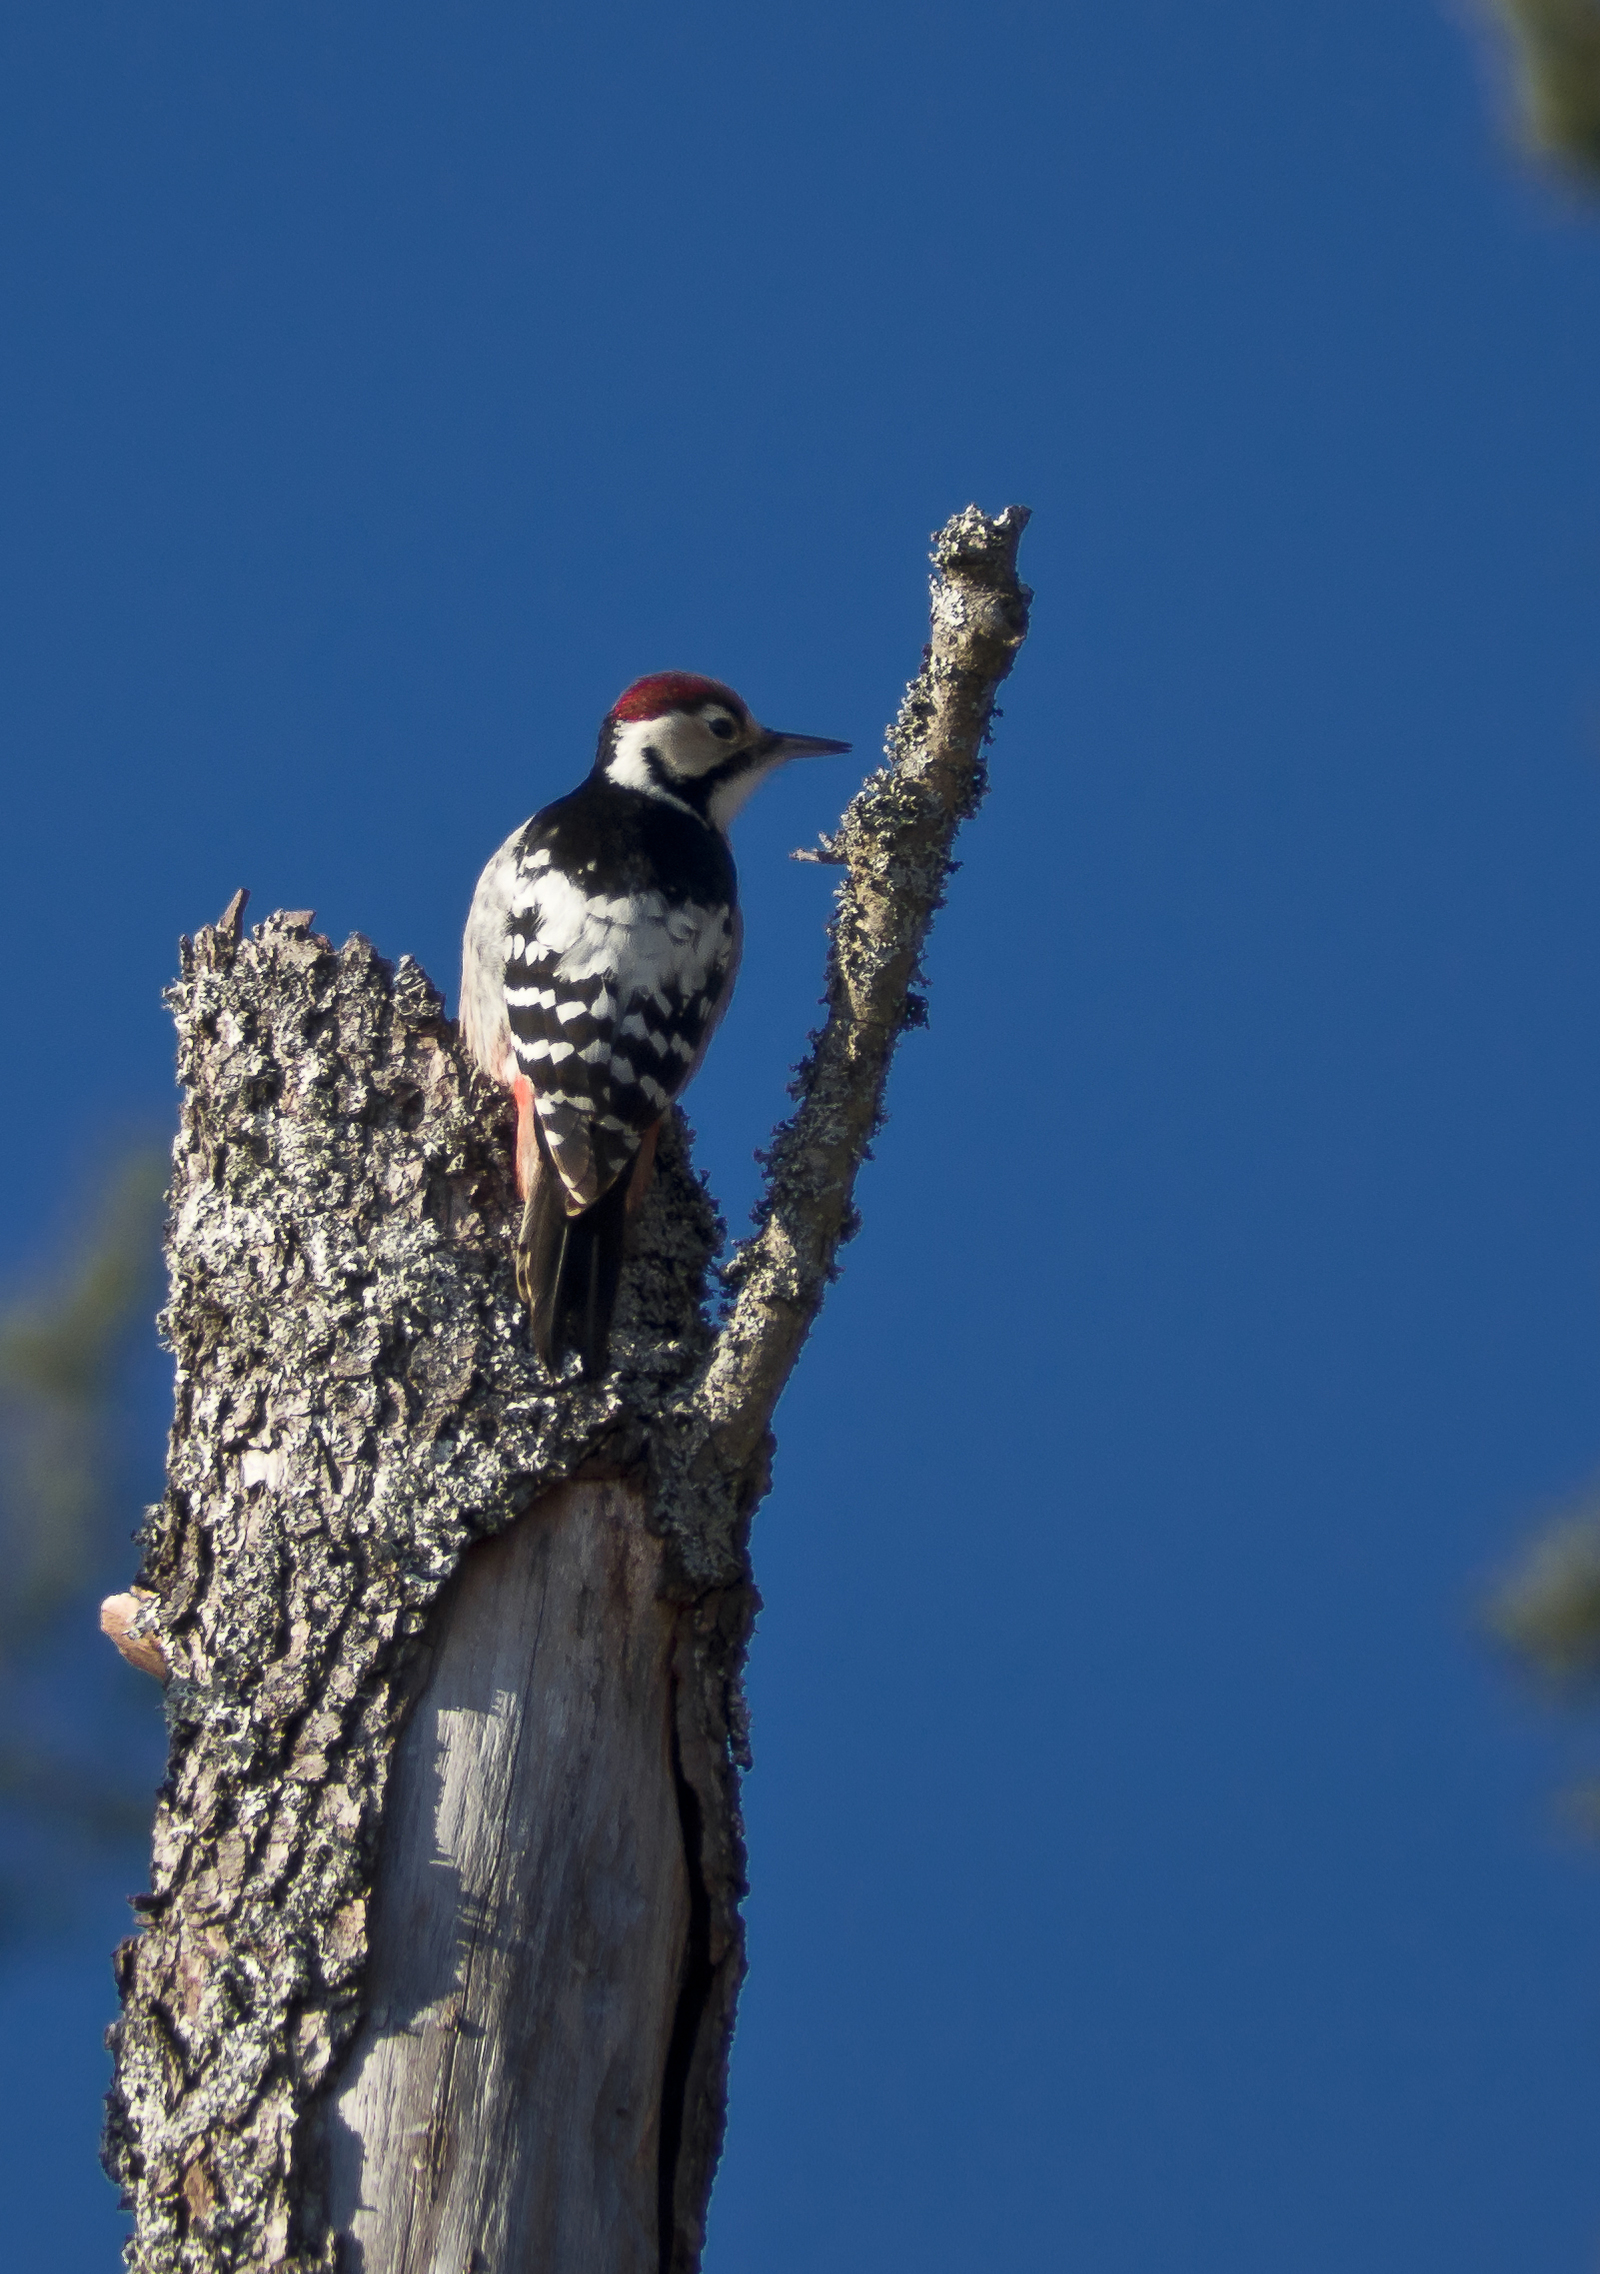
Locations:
{"points": [[895, 840]]}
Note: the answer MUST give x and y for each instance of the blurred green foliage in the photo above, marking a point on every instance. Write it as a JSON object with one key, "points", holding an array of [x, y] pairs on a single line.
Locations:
{"points": [[80, 1728], [1556, 44], [62, 1345], [1547, 1613], [1548, 1610]]}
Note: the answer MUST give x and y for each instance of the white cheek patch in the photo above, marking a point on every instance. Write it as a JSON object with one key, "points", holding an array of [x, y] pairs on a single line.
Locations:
{"points": [[684, 747]]}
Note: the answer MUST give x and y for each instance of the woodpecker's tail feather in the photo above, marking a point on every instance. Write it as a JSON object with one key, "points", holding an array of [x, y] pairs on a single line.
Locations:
{"points": [[541, 1243], [568, 1272]]}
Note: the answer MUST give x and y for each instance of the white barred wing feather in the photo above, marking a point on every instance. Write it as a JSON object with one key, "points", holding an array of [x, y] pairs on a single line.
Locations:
{"points": [[608, 1006]]}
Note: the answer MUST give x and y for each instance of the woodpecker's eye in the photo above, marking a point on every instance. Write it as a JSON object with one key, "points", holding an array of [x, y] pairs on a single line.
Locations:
{"points": [[722, 727]]}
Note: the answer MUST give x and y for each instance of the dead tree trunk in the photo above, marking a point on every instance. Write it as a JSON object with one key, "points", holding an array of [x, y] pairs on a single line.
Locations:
{"points": [[438, 1968]]}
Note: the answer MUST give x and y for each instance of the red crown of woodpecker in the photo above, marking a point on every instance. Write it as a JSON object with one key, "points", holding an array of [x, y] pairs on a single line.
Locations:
{"points": [[664, 691]]}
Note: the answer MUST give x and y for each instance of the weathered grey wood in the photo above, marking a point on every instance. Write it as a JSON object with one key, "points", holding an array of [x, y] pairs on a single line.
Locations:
{"points": [[502, 2105], [357, 1407]]}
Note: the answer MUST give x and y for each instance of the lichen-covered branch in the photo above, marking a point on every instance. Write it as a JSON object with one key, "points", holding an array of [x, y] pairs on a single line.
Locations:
{"points": [[356, 1406], [895, 844]]}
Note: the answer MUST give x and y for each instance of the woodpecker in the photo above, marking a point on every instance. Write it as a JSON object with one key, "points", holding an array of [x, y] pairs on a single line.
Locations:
{"points": [[601, 949]]}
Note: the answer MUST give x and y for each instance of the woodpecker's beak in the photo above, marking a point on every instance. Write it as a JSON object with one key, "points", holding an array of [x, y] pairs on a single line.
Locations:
{"points": [[774, 747]]}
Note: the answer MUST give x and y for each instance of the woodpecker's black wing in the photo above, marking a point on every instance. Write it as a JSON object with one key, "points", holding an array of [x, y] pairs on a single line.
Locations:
{"points": [[620, 949], [621, 946]]}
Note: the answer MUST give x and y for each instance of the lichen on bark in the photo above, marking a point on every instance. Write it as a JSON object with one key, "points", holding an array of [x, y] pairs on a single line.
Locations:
{"points": [[356, 1402]]}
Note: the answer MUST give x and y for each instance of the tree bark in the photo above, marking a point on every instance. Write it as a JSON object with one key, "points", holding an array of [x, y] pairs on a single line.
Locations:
{"points": [[439, 1962]]}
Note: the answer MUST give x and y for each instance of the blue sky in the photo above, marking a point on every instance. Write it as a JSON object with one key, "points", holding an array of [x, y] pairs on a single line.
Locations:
{"points": [[1153, 1872]]}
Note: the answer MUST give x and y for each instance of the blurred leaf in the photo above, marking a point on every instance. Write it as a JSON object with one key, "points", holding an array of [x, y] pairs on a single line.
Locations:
{"points": [[65, 1790], [62, 1347], [1548, 1611], [1580, 1809], [62, 1342], [1556, 44], [78, 1756]]}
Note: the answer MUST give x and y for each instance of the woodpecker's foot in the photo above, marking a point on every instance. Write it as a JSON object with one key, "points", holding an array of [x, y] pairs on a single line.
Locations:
{"points": [[126, 1619]]}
